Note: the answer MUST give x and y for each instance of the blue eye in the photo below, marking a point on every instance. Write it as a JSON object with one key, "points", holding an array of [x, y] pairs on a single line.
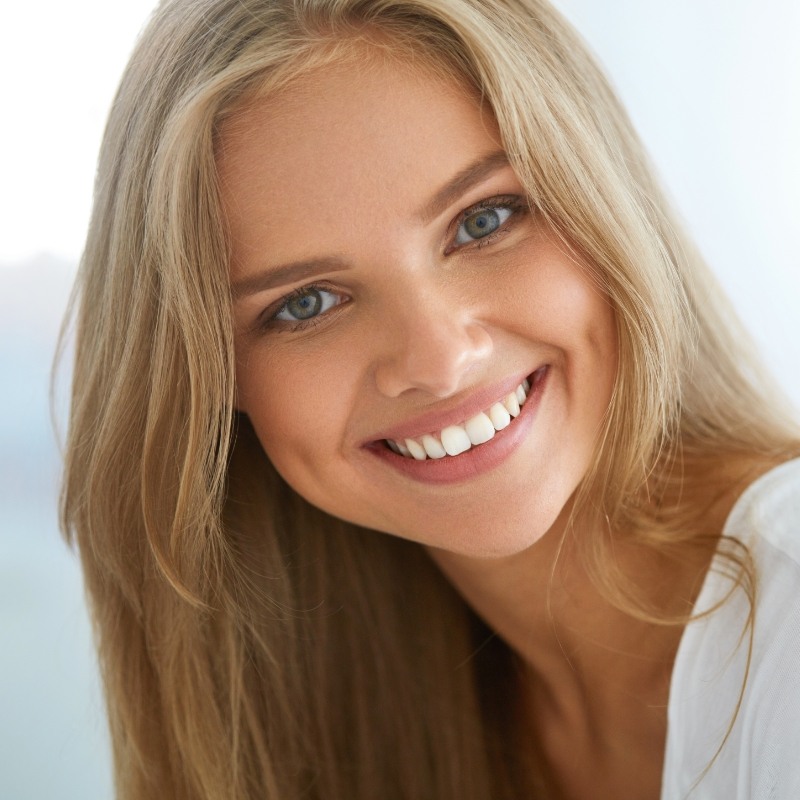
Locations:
{"points": [[481, 223], [307, 303]]}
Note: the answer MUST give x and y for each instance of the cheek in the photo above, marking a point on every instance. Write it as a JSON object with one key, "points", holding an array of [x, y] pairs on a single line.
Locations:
{"points": [[298, 408], [591, 335], [570, 313], [560, 303]]}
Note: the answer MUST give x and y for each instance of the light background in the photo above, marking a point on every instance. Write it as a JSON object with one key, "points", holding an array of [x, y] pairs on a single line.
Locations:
{"points": [[714, 90]]}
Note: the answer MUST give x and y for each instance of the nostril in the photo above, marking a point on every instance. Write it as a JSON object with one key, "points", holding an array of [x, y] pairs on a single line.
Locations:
{"points": [[434, 359]]}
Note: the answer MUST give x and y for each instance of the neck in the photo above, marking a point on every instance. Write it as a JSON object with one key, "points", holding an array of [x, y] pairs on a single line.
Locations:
{"points": [[596, 682], [572, 638], [544, 603]]}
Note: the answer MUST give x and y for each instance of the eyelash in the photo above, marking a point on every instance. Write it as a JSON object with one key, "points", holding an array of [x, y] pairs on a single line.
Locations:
{"points": [[268, 319], [509, 202], [513, 203]]}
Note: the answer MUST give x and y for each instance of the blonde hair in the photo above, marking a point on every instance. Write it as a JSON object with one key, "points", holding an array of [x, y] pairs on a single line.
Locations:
{"points": [[252, 646]]}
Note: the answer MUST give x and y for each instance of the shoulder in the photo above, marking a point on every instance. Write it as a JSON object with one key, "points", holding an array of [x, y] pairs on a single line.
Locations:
{"points": [[767, 515], [735, 693], [766, 519]]}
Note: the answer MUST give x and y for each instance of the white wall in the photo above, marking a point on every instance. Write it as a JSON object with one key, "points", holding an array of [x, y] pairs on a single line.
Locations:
{"points": [[714, 90]]}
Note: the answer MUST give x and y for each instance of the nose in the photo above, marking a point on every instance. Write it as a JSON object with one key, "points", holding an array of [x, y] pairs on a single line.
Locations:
{"points": [[430, 345]]}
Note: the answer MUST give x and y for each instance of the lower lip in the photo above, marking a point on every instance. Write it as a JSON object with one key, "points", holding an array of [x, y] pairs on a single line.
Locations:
{"points": [[477, 460]]}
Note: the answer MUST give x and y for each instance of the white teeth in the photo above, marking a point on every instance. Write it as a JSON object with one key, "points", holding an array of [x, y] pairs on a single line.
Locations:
{"points": [[455, 440], [499, 416], [433, 447], [416, 450], [512, 404], [479, 429]]}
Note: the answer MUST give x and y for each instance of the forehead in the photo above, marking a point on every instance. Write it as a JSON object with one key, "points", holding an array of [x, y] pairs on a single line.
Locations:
{"points": [[385, 130], [337, 72]]}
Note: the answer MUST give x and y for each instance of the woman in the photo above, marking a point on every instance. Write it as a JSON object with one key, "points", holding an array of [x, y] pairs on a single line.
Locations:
{"points": [[410, 436]]}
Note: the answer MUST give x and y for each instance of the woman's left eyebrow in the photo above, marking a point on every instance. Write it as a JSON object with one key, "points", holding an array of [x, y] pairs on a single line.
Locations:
{"points": [[472, 174]]}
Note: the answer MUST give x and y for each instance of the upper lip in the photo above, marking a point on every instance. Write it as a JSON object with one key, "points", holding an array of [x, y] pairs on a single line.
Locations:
{"points": [[434, 421]]}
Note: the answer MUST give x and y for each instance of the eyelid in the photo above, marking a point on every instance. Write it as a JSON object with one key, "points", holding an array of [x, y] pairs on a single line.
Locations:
{"points": [[267, 321], [514, 202]]}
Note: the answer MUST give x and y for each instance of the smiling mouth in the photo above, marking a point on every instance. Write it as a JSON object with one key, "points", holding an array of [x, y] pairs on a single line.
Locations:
{"points": [[457, 439]]}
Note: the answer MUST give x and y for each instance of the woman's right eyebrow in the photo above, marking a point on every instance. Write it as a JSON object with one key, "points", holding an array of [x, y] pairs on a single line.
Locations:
{"points": [[274, 277]]}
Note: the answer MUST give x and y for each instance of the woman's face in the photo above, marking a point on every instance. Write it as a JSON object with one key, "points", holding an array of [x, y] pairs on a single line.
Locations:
{"points": [[392, 290]]}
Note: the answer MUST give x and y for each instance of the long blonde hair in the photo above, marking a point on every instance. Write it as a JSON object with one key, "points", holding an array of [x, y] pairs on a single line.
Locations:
{"points": [[251, 645]]}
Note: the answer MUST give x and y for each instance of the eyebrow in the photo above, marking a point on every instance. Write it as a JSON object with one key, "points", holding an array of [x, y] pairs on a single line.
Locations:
{"points": [[274, 277], [472, 174]]}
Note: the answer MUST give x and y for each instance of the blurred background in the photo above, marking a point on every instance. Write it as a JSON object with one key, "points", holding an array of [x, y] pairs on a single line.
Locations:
{"points": [[715, 95]]}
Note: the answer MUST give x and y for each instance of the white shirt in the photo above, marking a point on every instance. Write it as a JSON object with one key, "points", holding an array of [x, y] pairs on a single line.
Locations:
{"points": [[761, 758]]}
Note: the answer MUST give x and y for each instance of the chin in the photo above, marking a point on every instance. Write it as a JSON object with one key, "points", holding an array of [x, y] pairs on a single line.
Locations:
{"points": [[493, 542]]}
